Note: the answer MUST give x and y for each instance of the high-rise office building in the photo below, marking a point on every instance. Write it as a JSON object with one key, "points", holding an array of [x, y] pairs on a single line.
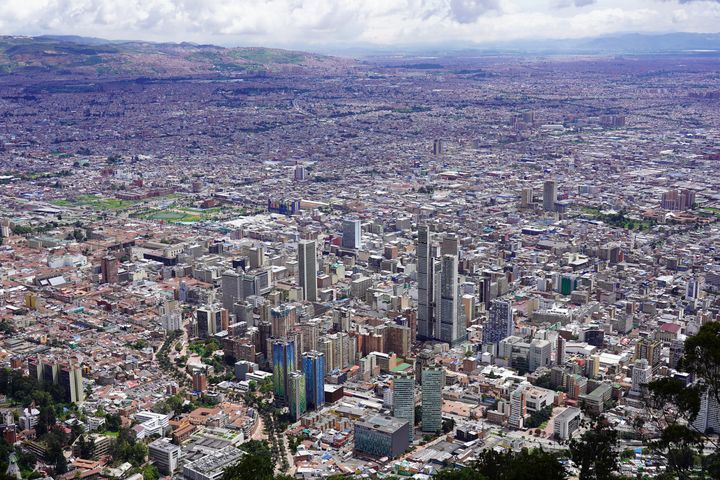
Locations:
{"points": [[650, 350], [518, 409], [209, 321], [326, 346], [433, 380], [283, 361], [677, 349], [593, 366], [297, 402], [450, 322], [693, 289], [307, 265], [68, 376], [500, 322], [539, 354], [437, 147], [351, 233], [199, 381], [282, 319], [232, 289], [526, 197], [71, 382], [678, 200], [708, 418], [256, 256], [425, 269], [560, 350], [403, 395], [299, 173], [109, 269], [313, 365], [641, 376], [549, 195]]}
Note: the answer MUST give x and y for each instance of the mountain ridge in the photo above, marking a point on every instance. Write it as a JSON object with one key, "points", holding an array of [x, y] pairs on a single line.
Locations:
{"points": [[61, 55]]}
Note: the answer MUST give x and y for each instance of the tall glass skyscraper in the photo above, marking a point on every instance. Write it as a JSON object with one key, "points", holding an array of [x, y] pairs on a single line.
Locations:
{"points": [[307, 263], [313, 365], [425, 270], [351, 233], [433, 379], [283, 357], [499, 324], [297, 401], [404, 399]]}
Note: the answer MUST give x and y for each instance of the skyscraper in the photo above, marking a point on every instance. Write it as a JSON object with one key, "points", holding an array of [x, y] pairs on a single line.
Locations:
{"points": [[641, 376], [199, 381], [109, 269], [209, 321], [450, 328], [526, 197], [549, 195], [437, 147], [693, 289], [404, 399], [297, 401], [70, 381], [433, 379], [539, 354], [560, 351], [708, 417], [282, 318], [313, 364], [232, 289], [518, 407], [283, 361], [351, 234], [299, 173], [307, 263], [425, 281], [650, 350], [500, 322]]}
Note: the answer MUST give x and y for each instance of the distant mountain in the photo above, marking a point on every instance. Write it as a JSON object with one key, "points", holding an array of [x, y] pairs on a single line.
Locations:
{"points": [[71, 55], [631, 43]]}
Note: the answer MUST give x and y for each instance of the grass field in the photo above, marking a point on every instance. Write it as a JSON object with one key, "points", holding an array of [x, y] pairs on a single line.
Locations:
{"points": [[171, 216], [95, 201]]}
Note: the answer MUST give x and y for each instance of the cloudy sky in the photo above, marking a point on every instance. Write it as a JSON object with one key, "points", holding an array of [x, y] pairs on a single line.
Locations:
{"points": [[322, 23]]}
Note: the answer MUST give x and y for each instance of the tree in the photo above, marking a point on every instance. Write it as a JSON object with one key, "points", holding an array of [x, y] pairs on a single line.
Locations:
{"points": [[523, 465], [702, 357], [673, 407], [594, 453], [87, 448], [448, 425], [46, 420], [150, 472], [460, 474], [250, 467], [21, 229], [55, 453], [113, 422]]}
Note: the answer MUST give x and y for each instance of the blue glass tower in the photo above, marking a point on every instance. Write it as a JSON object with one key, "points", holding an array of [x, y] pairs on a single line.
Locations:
{"points": [[313, 364], [283, 356]]}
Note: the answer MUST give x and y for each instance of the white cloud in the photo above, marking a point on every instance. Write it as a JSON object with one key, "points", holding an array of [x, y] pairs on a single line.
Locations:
{"points": [[307, 23]]}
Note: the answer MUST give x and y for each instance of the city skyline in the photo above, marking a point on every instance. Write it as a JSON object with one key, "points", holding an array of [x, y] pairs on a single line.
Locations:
{"points": [[268, 264]]}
